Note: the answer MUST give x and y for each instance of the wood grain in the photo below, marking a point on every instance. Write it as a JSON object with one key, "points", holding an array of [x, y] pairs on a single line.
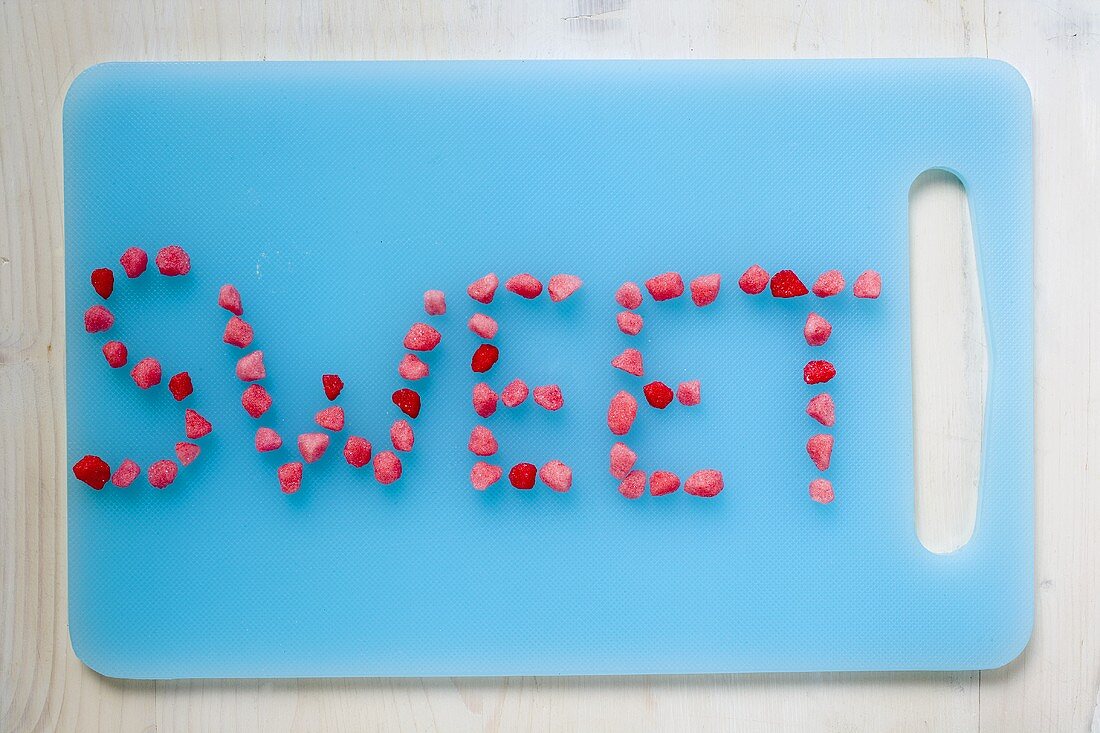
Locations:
{"points": [[43, 45]]}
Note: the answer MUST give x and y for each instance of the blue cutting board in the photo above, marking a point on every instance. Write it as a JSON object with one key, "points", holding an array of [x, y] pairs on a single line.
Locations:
{"points": [[334, 194]]}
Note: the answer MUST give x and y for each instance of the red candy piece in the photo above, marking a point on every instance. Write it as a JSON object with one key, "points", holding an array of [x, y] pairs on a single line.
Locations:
{"points": [[412, 368], [268, 440], [485, 356], [134, 261], [357, 451], [146, 373], [251, 367], [103, 280], [549, 397], [230, 299], [705, 483], [821, 491], [312, 446], [407, 401], [422, 337], [237, 332], [621, 413], [483, 475], [524, 285], [688, 393], [629, 295], [822, 409], [704, 290], [435, 302], [162, 473], [817, 330], [629, 323], [630, 361], [514, 394], [387, 467], [255, 400], [663, 482], [180, 386], [820, 448], [818, 372], [115, 353], [658, 394], [483, 289], [484, 399], [195, 425], [523, 475], [173, 260], [828, 284], [93, 471], [98, 319], [868, 285], [482, 441], [622, 460], [557, 476], [633, 486], [562, 286], [666, 286], [754, 280], [332, 385], [330, 418], [126, 473], [187, 452], [482, 325], [401, 435], [290, 477], [785, 284]]}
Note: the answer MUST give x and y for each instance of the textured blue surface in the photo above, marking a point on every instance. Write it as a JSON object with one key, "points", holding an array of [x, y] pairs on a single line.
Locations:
{"points": [[333, 195]]}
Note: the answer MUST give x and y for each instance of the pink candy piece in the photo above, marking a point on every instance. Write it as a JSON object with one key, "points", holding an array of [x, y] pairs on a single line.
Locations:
{"points": [[162, 473], [556, 475], [268, 440], [195, 425], [663, 482], [828, 284], [330, 418], [633, 486], [548, 396], [401, 435], [237, 332], [868, 285], [665, 286], [562, 286], [387, 467], [706, 483], [820, 449], [483, 289], [115, 353], [412, 368], [482, 441], [822, 409], [622, 460], [187, 452], [312, 446], [125, 474], [754, 280], [817, 330], [688, 393], [134, 261], [435, 303], [514, 394], [629, 295], [255, 400], [146, 373], [483, 475], [524, 285], [629, 323], [230, 299], [173, 260], [98, 319], [821, 491], [484, 399], [290, 477], [621, 413], [251, 367], [422, 337], [704, 290], [482, 325], [630, 361], [357, 451]]}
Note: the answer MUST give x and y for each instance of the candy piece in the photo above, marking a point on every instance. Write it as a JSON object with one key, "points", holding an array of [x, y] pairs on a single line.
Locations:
{"points": [[820, 448], [330, 418], [548, 396], [658, 394], [754, 280], [162, 473], [93, 471], [237, 332], [868, 285], [387, 467], [629, 295], [483, 475], [115, 353], [665, 286], [524, 285], [435, 303], [785, 284], [633, 485], [173, 260], [103, 281], [401, 435], [688, 393], [357, 451], [818, 372], [268, 440], [146, 373], [230, 299], [482, 325], [482, 441], [817, 330], [621, 413], [663, 482], [251, 367], [523, 475], [622, 460], [821, 491], [828, 284], [485, 400], [422, 337], [332, 385], [562, 286], [629, 323], [630, 361], [706, 483], [195, 425], [187, 452], [822, 409], [704, 289], [126, 473], [483, 289], [556, 475], [408, 401], [134, 261], [180, 386], [485, 356], [412, 368], [290, 477], [255, 400], [98, 319], [514, 394], [312, 446]]}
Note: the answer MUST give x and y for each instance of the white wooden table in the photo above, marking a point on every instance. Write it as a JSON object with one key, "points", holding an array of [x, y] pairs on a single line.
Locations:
{"points": [[1054, 43]]}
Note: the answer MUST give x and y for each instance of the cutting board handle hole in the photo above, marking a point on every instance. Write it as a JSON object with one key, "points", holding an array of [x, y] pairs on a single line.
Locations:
{"points": [[950, 361]]}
